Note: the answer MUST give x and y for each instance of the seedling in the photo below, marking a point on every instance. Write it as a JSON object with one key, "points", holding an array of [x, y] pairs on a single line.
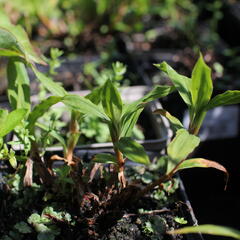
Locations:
{"points": [[121, 120], [196, 92]]}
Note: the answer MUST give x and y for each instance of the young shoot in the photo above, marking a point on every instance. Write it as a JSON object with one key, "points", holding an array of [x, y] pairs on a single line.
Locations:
{"points": [[196, 92]]}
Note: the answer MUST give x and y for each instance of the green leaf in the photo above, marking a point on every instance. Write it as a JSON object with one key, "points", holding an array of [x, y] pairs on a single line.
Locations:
{"points": [[209, 229], [128, 121], [84, 105], [15, 42], [18, 84], [11, 121], [9, 45], [180, 220], [111, 101], [53, 87], [180, 147], [131, 112], [40, 109], [157, 92], [3, 116], [182, 83], [95, 95], [104, 158], [133, 150], [13, 161], [175, 123], [34, 218], [226, 98], [201, 85]]}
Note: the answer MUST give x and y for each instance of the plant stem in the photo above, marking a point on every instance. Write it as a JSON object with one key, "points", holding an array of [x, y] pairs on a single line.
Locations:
{"points": [[28, 177], [193, 130], [73, 137], [196, 123], [120, 169]]}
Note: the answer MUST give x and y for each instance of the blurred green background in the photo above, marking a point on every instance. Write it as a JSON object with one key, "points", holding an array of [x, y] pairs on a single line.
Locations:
{"points": [[145, 31]]}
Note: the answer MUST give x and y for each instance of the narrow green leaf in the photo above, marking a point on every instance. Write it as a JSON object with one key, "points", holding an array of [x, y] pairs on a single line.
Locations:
{"points": [[84, 105], [132, 111], [183, 84], [209, 229], [128, 121], [157, 92], [111, 101], [9, 45], [95, 95], [133, 150], [15, 42], [226, 98], [180, 147], [40, 109], [53, 87], [175, 123], [201, 85], [11, 121], [104, 158], [18, 84]]}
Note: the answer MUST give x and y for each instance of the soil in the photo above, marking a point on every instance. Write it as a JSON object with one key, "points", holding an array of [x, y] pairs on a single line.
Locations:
{"points": [[148, 218]]}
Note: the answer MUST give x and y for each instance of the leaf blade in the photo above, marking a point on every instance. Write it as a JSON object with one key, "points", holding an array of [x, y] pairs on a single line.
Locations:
{"points": [[202, 87], [18, 85], [105, 158], [11, 121], [128, 121], [49, 84], [18, 41], [111, 101], [227, 98], [9, 45], [180, 147], [133, 150], [40, 109], [182, 83], [157, 92], [84, 105], [175, 123], [209, 229]]}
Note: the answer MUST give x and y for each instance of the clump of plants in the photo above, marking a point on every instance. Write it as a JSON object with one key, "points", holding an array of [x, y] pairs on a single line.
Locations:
{"points": [[85, 197]]}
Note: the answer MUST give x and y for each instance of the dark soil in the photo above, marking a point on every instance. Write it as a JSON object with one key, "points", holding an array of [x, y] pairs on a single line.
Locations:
{"points": [[131, 226], [147, 218]]}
